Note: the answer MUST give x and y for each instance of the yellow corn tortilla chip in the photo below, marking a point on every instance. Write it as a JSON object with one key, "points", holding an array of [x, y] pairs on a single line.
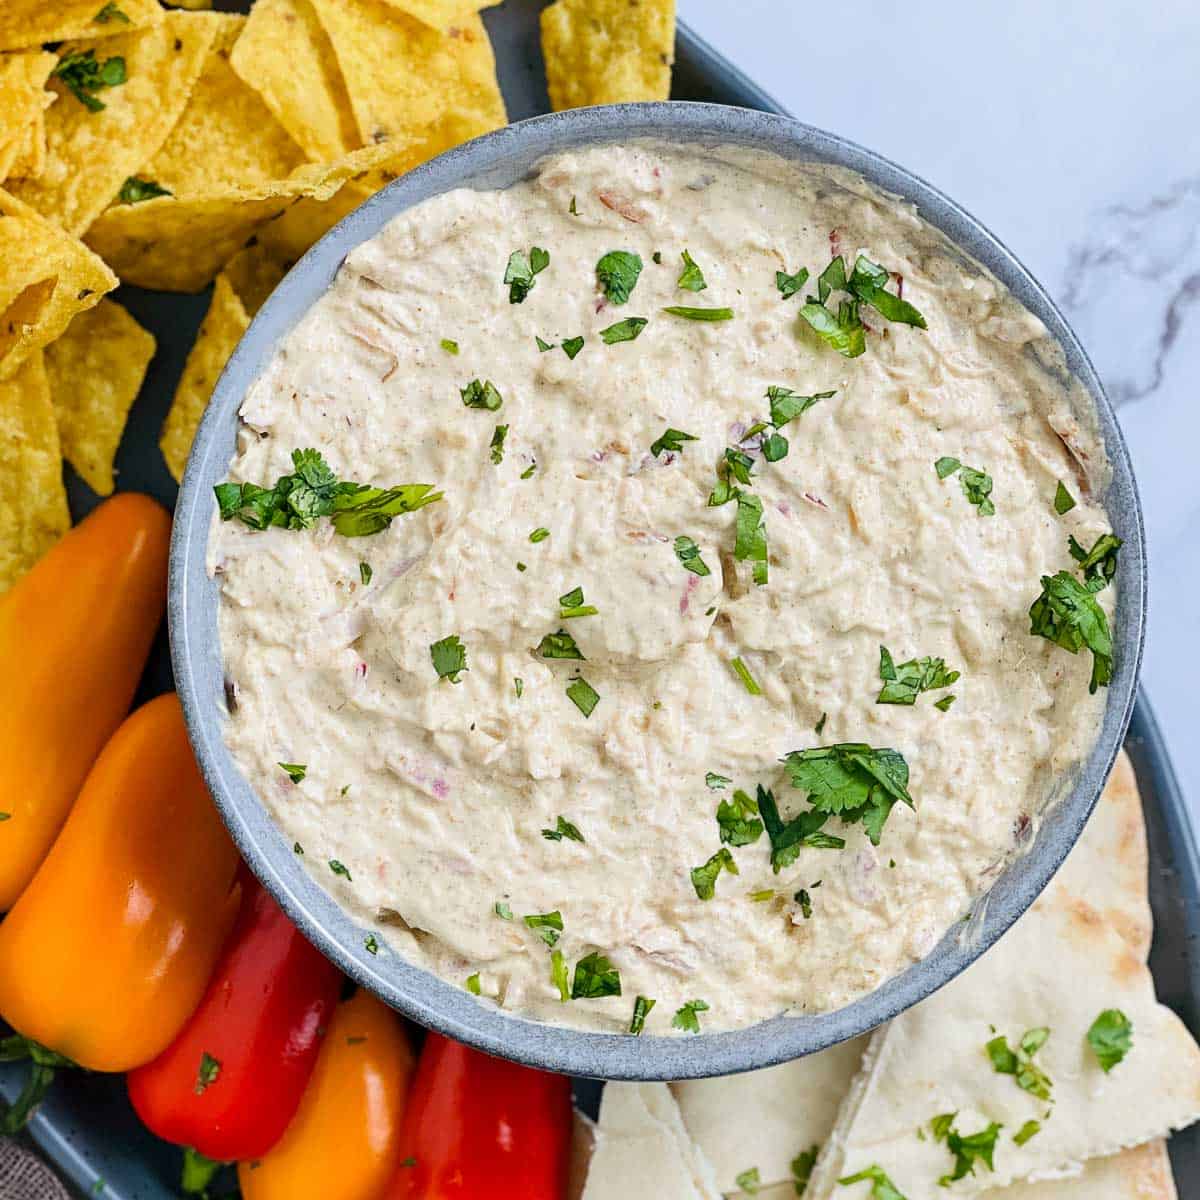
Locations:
{"points": [[46, 277], [285, 54], [32, 22], [91, 154], [222, 330], [23, 102], [96, 370], [29, 159], [254, 273], [608, 51], [179, 243], [226, 137], [441, 14], [33, 501], [403, 76]]}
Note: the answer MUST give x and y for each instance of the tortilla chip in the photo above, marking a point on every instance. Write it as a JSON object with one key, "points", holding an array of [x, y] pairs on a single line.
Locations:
{"points": [[226, 137], [23, 103], [441, 14], [403, 76], [91, 154], [29, 158], [32, 22], [254, 273], [223, 328], [33, 501], [46, 277], [96, 370], [178, 243], [608, 51], [285, 54]]}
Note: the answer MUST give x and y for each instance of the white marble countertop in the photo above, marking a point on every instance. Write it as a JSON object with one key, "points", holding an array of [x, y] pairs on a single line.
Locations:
{"points": [[1070, 129]]}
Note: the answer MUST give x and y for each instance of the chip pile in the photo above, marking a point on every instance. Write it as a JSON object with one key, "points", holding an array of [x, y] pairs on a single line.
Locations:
{"points": [[170, 148]]}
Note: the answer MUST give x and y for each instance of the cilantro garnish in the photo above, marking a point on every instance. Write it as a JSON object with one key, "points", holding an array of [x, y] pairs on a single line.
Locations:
{"points": [[572, 346], [716, 782], [1029, 1077], [1063, 500], [539, 535], [641, 1010], [595, 977], [473, 985], [573, 210], [297, 848], [450, 347], [548, 926], [976, 485], [789, 285], [842, 330], [1099, 564], [853, 781], [787, 840], [1110, 1037], [518, 686], [943, 705], [699, 314], [481, 395], [688, 553], [563, 829], [738, 820], [749, 1181], [739, 464], [743, 673], [207, 1073], [497, 444], [371, 944], [750, 544], [83, 75], [692, 278], [365, 572], [803, 899], [687, 1017], [559, 645], [135, 190], [617, 273], [558, 975], [528, 472], [583, 696], [502, 910], [866, 284], [542, 344], [1068, 614], [786, 405], [967, 1149], [802, 1167], [297, 500], [520, 272], [882, 1188], [704, 877], [110, 12], [340, 869], [623, 331], [904, 683], [572, 605], [449, 657], [819, 727], [671, 440], [294, 771], [1029, 1130]]}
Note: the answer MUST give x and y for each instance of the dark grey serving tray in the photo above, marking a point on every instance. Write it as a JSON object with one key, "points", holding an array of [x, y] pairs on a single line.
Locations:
{"points": [[86, 1126]]}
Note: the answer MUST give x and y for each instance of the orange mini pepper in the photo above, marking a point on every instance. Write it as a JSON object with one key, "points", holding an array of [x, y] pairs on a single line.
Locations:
{"points": [[344, 1141], [74, 636], [109, 949]]}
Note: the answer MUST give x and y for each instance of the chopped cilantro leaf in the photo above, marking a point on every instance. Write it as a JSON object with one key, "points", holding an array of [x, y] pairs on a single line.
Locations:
{"points": [[749, 1181], [1068, 614], [518, 686], [473, 985], [704, 877], [687, 1017], [502, 910], [294, 771], [1063, 500], [946, 466], [340, 869], [943, 705], [542, 344], [539, 535], [623, 331], [739, 464], [802, 1167], [738, 820], [572, 605], [207, 1073], [559, 645], [450, 347], [786, 405], [529, 470], [904, 683], [750, 544], [365, 572], [789, 285], [548, 926], [297, 848], [572, 346], [110, 12], [520, 272], [371, 944], [671, 440], [83, 75], [882, 1188], [558, 975], [843, 330], [497, 444], [135, 190], [692, 278], [481, 395], [688, 553], [1099, 564], [573, 210], [1029, 1077], [819, 727], [832, 279], [787, 840], [449, 657], [1029, 1130], [976, 485], [563, 829], [803, 899], [716, 782], [617, 273], [699, 314], [1110, 1037], [583, 696], [968, 1149], [743, 673], [641, 1010], [595, 977]]}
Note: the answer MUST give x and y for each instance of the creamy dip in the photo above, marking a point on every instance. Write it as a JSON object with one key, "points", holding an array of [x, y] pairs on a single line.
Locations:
{"points": [[438, 803]]}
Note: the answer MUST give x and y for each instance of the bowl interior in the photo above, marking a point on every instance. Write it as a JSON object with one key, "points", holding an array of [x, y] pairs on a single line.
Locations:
{"points": [[496, 161]]}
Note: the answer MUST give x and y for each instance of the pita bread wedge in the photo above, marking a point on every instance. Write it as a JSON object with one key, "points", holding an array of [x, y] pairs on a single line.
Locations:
{"points": [[1058, 967], [765, 1118], [1108, 866], [643, 1150], [1140, 1174]]}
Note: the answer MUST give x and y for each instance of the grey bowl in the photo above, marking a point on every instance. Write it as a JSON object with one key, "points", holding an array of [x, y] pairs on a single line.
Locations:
{"points": [[499, 160]]}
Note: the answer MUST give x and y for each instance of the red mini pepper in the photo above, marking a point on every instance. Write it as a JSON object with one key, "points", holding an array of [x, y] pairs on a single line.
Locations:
{"points": [[481, 1128], [232, 1080]]}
